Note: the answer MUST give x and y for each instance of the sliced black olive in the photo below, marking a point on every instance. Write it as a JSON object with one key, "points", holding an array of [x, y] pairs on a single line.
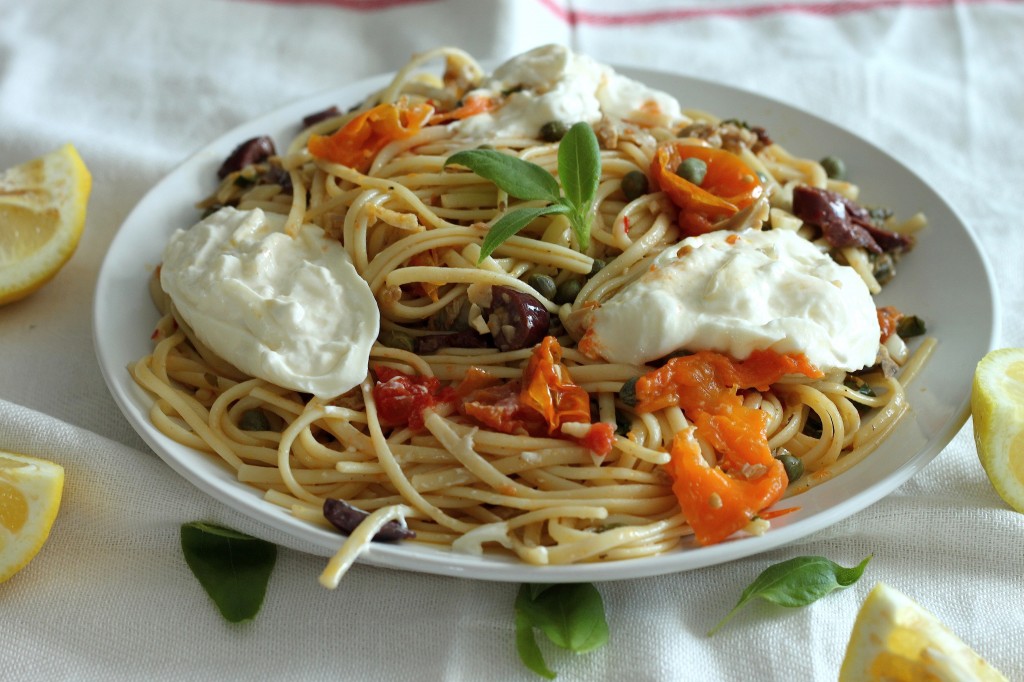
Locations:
{"points": [[516, 320], [466, 338], [329, 112], [347, 518], [249, 152]]}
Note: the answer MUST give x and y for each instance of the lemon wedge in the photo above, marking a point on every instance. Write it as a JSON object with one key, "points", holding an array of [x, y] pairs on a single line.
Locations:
{"points": [[896, 640], [30, 492], [42, 213], [997, 404]]}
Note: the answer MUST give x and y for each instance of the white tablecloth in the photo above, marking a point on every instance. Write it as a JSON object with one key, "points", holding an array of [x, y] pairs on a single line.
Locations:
{"points": [[137, 86]]}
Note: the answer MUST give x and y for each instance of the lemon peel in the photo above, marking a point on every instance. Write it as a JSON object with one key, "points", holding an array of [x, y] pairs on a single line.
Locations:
{"points": [[30, 494], [997, 405], [42, 215], [896, 640]]}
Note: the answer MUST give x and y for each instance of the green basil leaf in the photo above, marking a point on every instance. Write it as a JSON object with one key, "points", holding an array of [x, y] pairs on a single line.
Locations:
{"points": [[520, 179], [797, 582], [232, 567], [579, 169], [579, 166], [511, 223], [526, 643], [571, 615]]}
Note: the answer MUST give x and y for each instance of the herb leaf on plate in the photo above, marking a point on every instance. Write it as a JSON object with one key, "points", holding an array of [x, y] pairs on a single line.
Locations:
{"points": [[579, 169], [797, 582], [232, 567]]}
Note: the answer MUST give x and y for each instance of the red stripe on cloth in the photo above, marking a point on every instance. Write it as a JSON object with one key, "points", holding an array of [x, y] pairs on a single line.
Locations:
{"points": [[359, 5], [576, 17]]}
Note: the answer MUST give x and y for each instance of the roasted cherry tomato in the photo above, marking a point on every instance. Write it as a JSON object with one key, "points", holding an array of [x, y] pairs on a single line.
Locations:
{"points": [[548, 388], [357, 142], [729, 185], [402, 398], [720, 500]]}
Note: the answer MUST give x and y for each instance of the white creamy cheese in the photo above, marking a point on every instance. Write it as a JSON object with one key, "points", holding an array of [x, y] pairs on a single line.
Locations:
{"points": [[767, 290], [293, 311], [552, 83]]}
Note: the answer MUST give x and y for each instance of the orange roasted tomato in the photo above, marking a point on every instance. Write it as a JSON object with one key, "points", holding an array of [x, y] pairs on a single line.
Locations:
{"points": [[719, 500], [357, 142], [728, 186]]}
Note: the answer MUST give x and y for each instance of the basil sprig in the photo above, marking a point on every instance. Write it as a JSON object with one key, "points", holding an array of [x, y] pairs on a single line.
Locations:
{"points": [[579, 170], [797, 582], [570, 615], [232, 567]]}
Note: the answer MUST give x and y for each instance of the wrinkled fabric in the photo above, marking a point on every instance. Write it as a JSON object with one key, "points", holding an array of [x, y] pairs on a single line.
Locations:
{"points": [[137, 87]]}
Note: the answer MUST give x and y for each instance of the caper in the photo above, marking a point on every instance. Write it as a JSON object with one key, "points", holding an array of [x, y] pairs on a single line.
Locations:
{"points": [[254, 420], [627, 394], [692, 170], [485, 146], [396, 339], [543, 285], [553, 131], [568, 291], [910, 326], [834, 167], [597, 266], [634, 185], [794, 467]]}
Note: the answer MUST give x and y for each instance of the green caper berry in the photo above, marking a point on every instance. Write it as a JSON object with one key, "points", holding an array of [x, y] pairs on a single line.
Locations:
{"points": [[627, 394], [485, 146], [692, 170], [396, 339], [254, 420], [553, 131], [544, 285], [634, 185], [597, 266], [834, 167], [794, 467], [568, 291]]}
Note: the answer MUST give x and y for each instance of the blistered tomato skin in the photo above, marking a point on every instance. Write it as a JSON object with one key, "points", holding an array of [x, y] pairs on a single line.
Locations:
{"points": [[401, 399], [727, 187]]}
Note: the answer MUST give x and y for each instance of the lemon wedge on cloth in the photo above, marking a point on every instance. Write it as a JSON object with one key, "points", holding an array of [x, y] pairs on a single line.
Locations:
{"points": [[997, 404], [896, 640], [30, 491], [42, 213]]}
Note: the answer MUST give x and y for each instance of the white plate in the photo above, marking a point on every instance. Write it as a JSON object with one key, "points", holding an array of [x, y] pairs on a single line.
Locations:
{"points": [[959, 311]]}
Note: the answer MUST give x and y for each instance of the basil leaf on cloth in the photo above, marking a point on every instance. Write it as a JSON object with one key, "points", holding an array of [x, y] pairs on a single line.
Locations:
{"points": [[797, 582], [232, 567]]}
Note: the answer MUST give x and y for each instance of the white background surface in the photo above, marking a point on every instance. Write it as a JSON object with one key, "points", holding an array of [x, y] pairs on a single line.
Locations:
{"points": [[138, 86]]}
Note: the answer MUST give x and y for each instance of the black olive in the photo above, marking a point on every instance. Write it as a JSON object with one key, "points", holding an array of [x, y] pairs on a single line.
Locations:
{"points": [[251, 151], [627, 394], [329, 112], [467, 338], [347, 518], [516, 320]]}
